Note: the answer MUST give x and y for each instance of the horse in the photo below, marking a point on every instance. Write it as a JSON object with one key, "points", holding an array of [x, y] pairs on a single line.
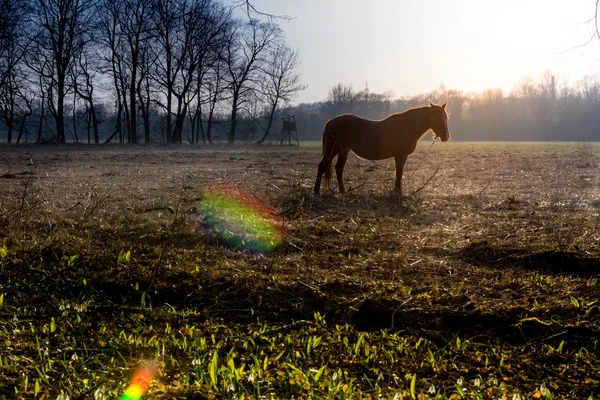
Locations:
{"points": [[395, 136]]}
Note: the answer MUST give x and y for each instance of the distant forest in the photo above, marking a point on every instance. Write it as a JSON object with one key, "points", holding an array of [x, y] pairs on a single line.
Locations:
{"points": [[542, 109], [187, 71]]}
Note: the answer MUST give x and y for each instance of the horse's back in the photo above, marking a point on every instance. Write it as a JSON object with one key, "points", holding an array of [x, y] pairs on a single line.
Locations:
{"points": [[343, 121], [351, 126], [367, 138]]}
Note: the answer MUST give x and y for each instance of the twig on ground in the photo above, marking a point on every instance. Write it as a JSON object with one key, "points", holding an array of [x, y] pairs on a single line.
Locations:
{"points": [[555, 374], [275, 186], [294, 246], [485, 187], [426, 182], [285, 212], [314, 289], [398, 308], [421, 162], [155, 208], [555, 335], [355, 188]]}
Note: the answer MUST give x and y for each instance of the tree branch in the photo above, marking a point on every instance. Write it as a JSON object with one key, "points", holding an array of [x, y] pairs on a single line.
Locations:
{"points": [[250, 10]]}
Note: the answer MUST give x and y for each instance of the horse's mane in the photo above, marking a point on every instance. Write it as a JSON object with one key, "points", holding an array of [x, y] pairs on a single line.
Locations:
{"points": [[411, 110]]}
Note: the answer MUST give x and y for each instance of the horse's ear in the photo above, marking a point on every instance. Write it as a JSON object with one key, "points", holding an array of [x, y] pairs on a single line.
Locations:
{"points": [[444, 105], [431, 104]]}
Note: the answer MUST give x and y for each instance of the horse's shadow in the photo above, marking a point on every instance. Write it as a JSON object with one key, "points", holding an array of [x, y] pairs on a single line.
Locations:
{"points": [[381, 204]]}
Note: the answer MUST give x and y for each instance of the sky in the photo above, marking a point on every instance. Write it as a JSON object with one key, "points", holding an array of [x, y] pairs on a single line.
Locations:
{"points": [[414, 46]]}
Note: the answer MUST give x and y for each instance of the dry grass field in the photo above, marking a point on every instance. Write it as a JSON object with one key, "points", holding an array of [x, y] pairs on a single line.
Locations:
{"points": [[482, 282]]}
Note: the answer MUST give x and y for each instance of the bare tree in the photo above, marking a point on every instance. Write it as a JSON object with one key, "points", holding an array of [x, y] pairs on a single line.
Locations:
{"points": [[61, 37], [589, 87], [136, 28], [144, 88], [112, 53], [127, 26], [85, 90], [13, 84], [244, 58], [13, 24], [189, 34], [168, 35], [215, 22], [341, 98], [282, 81], [214, 89]]}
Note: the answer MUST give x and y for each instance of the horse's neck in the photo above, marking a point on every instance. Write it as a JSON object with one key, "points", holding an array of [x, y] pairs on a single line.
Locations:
{"points": [[416, 123]]}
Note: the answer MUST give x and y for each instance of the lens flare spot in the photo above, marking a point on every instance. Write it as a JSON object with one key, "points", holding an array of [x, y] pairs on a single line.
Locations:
{"points": [[241, 219], [139, 384]]}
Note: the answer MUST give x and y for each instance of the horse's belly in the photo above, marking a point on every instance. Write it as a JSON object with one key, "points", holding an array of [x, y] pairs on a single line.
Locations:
{"points": [[374, 152]]}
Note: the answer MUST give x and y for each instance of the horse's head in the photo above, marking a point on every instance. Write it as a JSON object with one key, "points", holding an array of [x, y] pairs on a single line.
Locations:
{"points": [[439, 121]]}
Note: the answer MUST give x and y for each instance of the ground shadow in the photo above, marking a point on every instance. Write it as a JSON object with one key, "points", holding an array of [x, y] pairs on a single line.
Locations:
{"points": [[550, 261], [386, 204]]}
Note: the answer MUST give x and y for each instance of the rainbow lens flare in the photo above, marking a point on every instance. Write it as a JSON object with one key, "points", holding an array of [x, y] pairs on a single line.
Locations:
{"points": [[139, 384], [240, 218]]}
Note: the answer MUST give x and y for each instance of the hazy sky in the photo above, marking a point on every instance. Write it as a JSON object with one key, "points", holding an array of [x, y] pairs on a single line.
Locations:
{"points": [[414, 46]]}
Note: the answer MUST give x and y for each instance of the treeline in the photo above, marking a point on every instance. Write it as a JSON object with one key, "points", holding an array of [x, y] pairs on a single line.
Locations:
{"points": [[173, 70], [542, 109], [178, 71]]}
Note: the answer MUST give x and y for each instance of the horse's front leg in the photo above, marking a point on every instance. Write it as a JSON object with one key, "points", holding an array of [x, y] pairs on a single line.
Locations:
{"points": [[400, 161], [339, 169]]}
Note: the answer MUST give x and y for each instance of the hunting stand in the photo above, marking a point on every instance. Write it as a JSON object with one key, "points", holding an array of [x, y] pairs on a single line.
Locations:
{"points": [[288, 131]]}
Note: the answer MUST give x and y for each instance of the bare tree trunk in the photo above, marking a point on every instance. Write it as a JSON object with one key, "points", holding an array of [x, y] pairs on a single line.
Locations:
{"points": [[269, 123], [26, 115], [60, 112], [125, 110], [233, 126], [132, 111], [119, 101], [94, 123], [75, 118], [88, 124], [9, 112], [9, 124], [145, 108], [42, 117]]}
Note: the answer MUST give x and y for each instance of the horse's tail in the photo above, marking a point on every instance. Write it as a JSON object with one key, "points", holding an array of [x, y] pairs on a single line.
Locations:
{"points": [[329, 140]]}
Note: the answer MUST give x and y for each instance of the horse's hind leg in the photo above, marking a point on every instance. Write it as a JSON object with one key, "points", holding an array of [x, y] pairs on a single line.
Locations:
{"points": [[331, 148], [339, 168]]}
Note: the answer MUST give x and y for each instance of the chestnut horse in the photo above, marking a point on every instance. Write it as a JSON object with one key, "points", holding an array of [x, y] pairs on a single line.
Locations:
{"points": [[395, 136]]}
